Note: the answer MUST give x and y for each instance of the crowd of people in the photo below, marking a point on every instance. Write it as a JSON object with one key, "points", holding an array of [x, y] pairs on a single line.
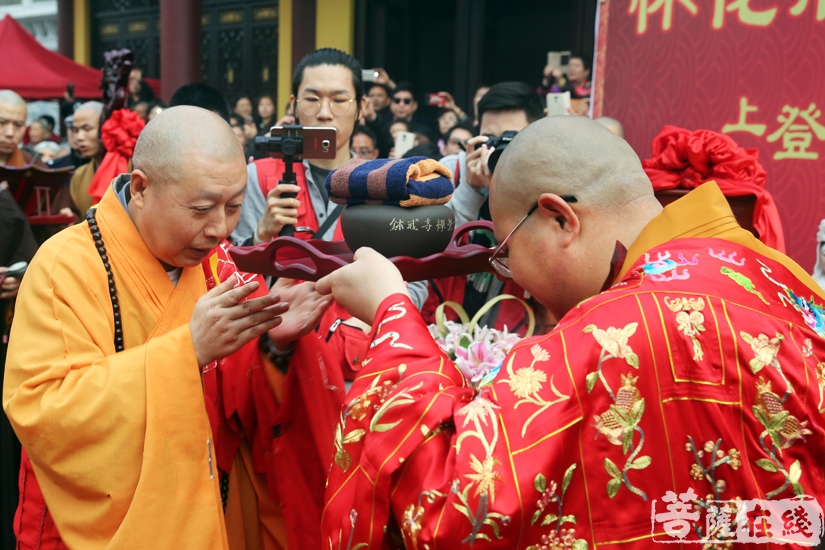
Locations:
{"points": [[165, 399]]}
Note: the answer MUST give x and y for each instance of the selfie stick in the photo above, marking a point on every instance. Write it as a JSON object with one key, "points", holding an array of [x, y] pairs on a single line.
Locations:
{"points": [[288, 178], [288, 147]]}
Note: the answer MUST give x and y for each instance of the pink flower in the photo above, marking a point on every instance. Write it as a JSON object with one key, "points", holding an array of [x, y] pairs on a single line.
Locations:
{"points": [[477, 356]]}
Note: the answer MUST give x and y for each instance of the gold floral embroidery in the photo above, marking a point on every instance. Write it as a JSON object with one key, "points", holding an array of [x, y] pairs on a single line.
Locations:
{"points": [[527, 382], [716, 457], [621, 421], [413, 516], [477, 409], [784, 430], [808, 351], [358, 409], [691, 320], [485, 476], [614, 342], [558, 538], [411, 522], [609, 423], [539, 353], [766, 350]]}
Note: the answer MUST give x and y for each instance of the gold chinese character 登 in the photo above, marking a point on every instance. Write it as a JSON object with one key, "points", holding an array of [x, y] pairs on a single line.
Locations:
{"points": [[746, 15], [796, 138], [742, 125], [643, 9], [800, 7]]}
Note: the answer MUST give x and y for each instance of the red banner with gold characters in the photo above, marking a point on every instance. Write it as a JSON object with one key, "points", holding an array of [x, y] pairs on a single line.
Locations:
{"points": [[752, 69]]}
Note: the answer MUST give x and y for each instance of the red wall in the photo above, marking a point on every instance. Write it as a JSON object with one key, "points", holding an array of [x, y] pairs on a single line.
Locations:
{"points": [[695, 73]]}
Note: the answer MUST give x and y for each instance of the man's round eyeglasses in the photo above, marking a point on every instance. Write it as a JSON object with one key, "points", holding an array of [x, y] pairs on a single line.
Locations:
{"points": [[499, 259], [405, 100], [311, 105]]}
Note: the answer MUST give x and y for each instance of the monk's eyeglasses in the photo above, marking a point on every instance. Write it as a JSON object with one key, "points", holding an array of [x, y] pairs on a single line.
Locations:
{"points": [[499, 258]]}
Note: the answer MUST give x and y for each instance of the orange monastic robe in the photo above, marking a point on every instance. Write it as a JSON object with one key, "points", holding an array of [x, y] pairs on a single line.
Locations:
{"points": [[121, 443], [697, 377]]}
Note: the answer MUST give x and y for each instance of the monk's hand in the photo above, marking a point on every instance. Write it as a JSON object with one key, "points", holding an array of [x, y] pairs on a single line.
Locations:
{"points": [[9, 285], [306, 307], [280, 211], [221, 323], [361, 286], [478, 173]]}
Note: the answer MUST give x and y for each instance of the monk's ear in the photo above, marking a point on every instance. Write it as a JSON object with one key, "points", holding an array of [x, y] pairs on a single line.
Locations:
{"points": [[559, 211], [138, 186]]}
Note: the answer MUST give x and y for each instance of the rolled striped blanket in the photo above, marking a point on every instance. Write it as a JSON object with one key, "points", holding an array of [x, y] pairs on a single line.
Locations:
{"points": [[415, 181]]}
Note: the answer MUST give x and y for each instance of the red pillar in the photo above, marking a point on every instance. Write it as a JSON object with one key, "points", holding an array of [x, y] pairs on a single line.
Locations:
{"points": [[180, 45], [303, 29], [65, 28]]}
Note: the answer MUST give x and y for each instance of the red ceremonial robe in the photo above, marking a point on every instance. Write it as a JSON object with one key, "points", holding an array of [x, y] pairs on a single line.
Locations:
{"points": [[698, 374]]}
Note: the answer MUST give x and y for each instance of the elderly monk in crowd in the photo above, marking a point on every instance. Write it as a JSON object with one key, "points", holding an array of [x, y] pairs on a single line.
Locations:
{"points": [[687, 370], [12, 128], [86, 126], [121, 441]]}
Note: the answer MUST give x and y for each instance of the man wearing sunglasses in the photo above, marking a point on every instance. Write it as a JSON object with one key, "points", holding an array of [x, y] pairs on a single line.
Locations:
{"points": [[683, 370], [404, 107]]}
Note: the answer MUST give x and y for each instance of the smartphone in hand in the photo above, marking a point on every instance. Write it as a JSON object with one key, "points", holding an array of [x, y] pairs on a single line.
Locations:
{"points": [[404, 141]]}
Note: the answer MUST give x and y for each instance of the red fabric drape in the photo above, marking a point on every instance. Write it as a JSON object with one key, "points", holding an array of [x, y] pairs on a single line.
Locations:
{"points": [[686, 159], [119, 136]]}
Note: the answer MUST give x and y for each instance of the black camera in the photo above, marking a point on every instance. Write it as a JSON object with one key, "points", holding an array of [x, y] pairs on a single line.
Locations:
{"points": [[498, 144]]}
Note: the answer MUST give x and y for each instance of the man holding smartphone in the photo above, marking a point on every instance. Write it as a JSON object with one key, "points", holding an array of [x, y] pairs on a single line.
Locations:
{"points": [[326, 92], [316, 360]]}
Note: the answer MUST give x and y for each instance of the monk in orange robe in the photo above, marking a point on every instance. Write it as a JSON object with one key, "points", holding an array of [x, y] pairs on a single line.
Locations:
{"points": [[114, 334], [12, 128], [684, 382]]}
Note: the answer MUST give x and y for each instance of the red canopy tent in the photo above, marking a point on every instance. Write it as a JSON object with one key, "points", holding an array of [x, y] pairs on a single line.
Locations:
{"points": [[37, 73]]}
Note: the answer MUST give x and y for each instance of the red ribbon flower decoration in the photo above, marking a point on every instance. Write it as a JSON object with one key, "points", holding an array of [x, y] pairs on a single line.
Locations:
{"points": [[686, 159], [119, 135]]}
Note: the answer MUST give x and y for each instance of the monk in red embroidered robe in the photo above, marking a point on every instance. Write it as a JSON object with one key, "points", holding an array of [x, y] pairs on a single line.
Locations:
{"points": [[697, 376]]}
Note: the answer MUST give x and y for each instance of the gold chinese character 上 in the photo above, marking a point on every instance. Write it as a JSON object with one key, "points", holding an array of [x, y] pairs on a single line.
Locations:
{"points": [[746, 15], [796, 138], [742, 125], [642, 9]]}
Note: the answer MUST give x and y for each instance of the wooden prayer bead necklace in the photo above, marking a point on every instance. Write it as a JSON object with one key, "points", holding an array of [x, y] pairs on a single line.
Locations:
{"points": [[101, 249]]}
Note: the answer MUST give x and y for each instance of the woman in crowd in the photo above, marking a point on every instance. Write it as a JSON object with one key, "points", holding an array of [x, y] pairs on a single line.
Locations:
{"points": [[266, 112]]}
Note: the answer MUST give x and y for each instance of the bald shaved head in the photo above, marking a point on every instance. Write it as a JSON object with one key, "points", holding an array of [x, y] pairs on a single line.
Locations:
{"points": [[589, 190], [188, 184], [12, 123], [178, 132], [93, 106], [11, 98], [570, 155]]}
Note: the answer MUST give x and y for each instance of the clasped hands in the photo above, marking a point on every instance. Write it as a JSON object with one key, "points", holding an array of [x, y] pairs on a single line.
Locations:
{"points": [[222, 322]]}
